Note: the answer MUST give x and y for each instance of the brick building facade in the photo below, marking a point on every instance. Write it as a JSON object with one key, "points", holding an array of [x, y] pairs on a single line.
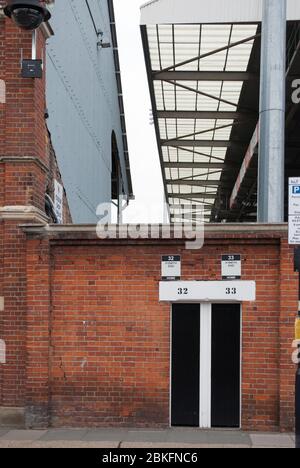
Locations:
{"points": [[99, 340], [88, 341], [27, 166]]}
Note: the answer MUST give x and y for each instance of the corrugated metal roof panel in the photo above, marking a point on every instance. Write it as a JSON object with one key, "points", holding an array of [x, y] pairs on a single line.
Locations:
{"points": [[214, 11]]}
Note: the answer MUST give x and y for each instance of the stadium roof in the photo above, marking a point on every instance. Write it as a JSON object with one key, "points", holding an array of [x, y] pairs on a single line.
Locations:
{"points": [[212, 12], [203, 63]]}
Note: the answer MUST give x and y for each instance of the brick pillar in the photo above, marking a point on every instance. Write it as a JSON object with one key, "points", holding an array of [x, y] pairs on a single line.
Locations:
{"points": [[23, 174], [38, 334], [23, 144], [288, 310], [1, 302], [2, 119]]}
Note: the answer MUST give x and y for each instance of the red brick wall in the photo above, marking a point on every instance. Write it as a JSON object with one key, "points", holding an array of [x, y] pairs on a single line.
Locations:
{"points": [[1, 295], [110, 362], [38, 328], [2, 107], [21, 135], [2, 129], [14, 317], [288, 285], [25, 123], [25, 156], [110, 336]]}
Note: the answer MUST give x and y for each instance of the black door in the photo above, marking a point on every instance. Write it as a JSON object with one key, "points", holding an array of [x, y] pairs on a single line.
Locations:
{"points": [[185, 364], [225, 391]]}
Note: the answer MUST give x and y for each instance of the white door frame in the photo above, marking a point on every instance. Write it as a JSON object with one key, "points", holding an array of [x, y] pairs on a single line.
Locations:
{"points": [[205, 310], [205, 366]]}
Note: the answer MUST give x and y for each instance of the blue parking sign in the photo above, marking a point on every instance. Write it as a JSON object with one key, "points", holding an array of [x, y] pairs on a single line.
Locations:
{"points": [[296, 190]]}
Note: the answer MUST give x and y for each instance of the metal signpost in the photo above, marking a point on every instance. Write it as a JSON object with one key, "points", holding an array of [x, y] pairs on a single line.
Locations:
{"points": [[297, 399], [294, 239]]}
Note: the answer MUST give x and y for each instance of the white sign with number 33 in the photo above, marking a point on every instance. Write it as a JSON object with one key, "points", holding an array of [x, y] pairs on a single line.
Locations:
{"points": [[207, 291]]}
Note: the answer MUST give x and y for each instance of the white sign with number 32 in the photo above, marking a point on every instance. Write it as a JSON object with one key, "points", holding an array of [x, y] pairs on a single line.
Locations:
{"points": [[207, 291]]}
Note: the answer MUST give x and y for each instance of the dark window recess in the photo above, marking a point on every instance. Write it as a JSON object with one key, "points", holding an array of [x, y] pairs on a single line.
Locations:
{"points": [[116, 176], [226, 354], [185, 364]]}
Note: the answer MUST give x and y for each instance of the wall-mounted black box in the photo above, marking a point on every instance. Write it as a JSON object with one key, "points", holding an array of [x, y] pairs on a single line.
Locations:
{"points": [[32, 68]]}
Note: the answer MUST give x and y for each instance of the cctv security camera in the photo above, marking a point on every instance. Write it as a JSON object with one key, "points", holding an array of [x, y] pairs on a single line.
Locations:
{"points": [[28, 15]]}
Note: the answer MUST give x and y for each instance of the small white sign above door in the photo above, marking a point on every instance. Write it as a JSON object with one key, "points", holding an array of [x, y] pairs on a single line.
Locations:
{"points": [[171, 267], [231, 267], [207, 291]]}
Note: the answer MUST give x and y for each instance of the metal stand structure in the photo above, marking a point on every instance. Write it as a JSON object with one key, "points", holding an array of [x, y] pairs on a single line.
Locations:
{"points": [[297, 388], [272, 113], [298, 406]]}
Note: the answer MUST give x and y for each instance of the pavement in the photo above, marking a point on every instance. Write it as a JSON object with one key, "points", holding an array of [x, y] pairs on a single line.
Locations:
{"points": [[142, 438]]}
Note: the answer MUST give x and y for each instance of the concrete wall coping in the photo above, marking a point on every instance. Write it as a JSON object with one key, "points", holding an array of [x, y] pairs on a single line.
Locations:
{"points": [[88, 232]]}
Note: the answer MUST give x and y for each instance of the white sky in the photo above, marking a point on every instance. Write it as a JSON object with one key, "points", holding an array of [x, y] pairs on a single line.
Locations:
{"points": [[143, 153]]}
